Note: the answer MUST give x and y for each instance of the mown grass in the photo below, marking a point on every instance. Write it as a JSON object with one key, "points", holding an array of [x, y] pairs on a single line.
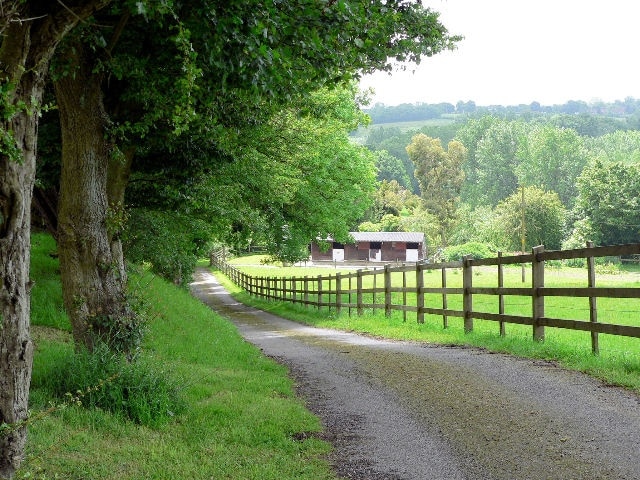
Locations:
{"points": [[241, 419], [617, 364]]}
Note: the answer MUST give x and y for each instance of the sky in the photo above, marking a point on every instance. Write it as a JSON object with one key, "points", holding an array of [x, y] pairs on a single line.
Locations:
{"points": [[521, 51]]}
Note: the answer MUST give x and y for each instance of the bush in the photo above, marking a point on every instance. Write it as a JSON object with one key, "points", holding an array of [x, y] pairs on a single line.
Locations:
{"points": [[138, 391], [475, 249], [170, 242]]}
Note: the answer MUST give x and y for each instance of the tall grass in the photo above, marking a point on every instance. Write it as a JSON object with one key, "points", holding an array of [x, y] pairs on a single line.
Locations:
{"points": [[618, 362], [241, 419]]}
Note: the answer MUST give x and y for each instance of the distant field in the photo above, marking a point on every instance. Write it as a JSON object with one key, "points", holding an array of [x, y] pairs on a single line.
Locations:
{"points": [[361, 134]]}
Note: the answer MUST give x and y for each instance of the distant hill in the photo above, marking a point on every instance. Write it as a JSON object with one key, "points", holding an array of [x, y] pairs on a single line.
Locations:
{"points": [[628, 109]]}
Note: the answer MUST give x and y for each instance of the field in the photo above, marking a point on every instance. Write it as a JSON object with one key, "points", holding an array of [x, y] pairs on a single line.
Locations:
{"points": [[360, 135], [618, 362]]}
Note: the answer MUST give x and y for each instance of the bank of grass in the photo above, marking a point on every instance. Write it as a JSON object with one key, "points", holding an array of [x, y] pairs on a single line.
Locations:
{"points": [[241, 419], [617, 364]]}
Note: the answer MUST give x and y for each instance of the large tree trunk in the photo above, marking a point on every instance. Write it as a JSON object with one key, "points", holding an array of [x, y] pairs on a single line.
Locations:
{"points": [[91, 262], [17, 175], [30, 32]]}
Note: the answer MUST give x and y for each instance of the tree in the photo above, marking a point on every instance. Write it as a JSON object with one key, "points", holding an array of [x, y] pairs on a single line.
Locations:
{"points": [[293, 178], [440, 176], [249, 69], [391, 168], [497, 162], [552, 158], [544, 220], [609, 202], [29, 34], [619, 146], [470, 135]]}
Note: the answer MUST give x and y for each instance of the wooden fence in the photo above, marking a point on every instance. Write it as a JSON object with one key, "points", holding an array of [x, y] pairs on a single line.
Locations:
{"points": [[346, 291]]}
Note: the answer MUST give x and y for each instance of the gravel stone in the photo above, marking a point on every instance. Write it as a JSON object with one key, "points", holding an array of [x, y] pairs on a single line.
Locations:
{"points": [[405, 410]]}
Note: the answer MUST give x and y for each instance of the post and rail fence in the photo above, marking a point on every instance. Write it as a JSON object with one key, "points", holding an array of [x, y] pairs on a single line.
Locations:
{"points": [[346, 291]]}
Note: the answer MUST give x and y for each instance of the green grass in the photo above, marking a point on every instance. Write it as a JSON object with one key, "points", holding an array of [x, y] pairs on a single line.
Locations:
{"points": [[241, 421], [618, 362]]}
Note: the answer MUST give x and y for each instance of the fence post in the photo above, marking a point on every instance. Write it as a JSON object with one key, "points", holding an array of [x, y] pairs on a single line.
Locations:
{"points": [[404, 294], [537, 281], [467, 297], [360, 308], [349, 296], [593, 310], [319, 291], [306, 291], [329, 293], [294, 292], [387, 290], [419, 294], [501, 297], [375, 287], [338, 293], [445, 321]]}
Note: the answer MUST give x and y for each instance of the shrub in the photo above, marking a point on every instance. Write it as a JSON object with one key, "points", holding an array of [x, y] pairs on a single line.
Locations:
{"points": [[138, 391], [475, 249]]}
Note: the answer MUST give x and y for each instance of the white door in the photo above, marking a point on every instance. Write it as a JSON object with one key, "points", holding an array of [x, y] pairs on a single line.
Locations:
{"points": [[338, 254], [412, 255]]}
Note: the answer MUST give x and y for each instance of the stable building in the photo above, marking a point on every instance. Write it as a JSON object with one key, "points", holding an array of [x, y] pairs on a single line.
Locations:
{"points": [[374, 247]]}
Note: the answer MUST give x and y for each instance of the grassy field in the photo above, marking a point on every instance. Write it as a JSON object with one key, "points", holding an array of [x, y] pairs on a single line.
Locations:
{"points": [[362, 133], [241, 421], [618, 362]]}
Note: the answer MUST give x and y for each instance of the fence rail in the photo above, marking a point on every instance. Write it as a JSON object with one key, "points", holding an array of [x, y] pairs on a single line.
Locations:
{"points": [[342, 291]]}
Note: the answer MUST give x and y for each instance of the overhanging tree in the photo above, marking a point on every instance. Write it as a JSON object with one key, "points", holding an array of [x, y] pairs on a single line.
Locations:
{"points": [[254, 58]]}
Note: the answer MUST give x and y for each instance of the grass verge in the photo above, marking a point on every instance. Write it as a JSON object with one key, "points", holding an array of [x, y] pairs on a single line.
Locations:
{"points": [[617, 364], [241, 421]]}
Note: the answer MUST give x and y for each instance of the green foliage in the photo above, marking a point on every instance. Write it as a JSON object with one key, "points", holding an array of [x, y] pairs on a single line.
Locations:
{"points": [[8, 110], [476, 249], [170, 242], [473, 225], [440, 176], [620, 146], [391, 168], [390, 198], [544, 220], [609, 202], [552, 158], [137, 391]]}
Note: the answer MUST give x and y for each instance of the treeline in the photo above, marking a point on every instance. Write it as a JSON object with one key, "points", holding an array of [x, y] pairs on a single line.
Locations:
{"points": [[623, 113], [578, 186]]}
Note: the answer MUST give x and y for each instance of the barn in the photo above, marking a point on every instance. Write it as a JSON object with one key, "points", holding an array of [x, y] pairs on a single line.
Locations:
{"points": [[374, 247]]}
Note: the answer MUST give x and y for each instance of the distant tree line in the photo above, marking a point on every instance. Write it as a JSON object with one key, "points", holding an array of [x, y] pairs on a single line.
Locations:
{"points": [[624, 114]]}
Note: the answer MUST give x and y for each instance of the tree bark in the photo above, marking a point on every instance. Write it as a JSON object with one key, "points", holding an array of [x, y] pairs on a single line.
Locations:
{"points": [[30, 33], [17, 177], [91, 262]]}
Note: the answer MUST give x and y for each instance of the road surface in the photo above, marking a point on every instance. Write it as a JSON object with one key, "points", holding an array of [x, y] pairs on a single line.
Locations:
{"points": [[403, 410]]}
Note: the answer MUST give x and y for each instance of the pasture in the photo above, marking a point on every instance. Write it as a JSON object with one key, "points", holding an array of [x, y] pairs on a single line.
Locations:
{"points": [[619, 359]]}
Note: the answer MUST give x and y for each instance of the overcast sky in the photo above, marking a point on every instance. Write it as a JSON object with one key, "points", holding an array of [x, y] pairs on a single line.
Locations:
{"points": [[520, 51]]}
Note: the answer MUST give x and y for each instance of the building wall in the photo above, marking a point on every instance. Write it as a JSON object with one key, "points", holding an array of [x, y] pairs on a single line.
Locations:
{"points": [[316, 254], [390, 252]]}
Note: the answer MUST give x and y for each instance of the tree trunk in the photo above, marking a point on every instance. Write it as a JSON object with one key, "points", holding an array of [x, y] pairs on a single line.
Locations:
{"points": [[17, 175], [91, 262], [30, 33], [16, 350]]}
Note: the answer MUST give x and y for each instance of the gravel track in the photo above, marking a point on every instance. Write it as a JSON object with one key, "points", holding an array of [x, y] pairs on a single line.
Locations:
{"points": [[403, 410]]}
